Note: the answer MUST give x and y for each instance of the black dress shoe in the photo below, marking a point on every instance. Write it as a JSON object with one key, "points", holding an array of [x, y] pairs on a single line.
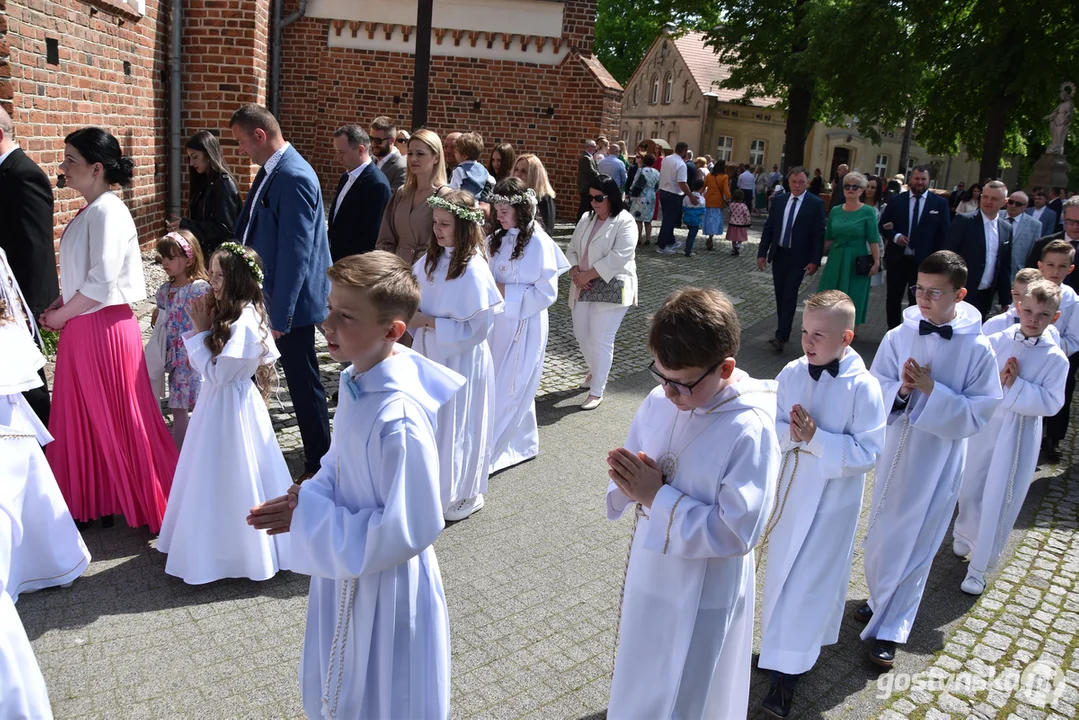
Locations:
{"points": [[1049, 449], [780, 695], [883, 653], [777, 345], [863, 613], [107, 521]]}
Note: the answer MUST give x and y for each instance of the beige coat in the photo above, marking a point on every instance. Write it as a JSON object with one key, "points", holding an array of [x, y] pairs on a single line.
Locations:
{"points": [[406, 230], [611, 252]]}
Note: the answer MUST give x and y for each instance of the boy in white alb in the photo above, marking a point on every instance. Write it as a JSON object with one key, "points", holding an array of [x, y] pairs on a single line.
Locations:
{"points": [[1001, 459], [1058, 261], [697, 474], [940, 384], [1010, 316], [377, 639], [830, 420]]}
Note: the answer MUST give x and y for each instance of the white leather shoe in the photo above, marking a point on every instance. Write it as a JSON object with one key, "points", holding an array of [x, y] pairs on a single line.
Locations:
{"points": [[960, 548], [973, 585], [591, 403], [463, 508]]}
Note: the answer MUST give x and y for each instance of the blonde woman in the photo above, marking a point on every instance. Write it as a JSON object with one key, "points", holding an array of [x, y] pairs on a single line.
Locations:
{"points": [[529, 170], [406, 224]]}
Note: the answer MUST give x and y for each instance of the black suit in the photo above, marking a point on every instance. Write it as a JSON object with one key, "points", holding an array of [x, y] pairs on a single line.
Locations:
{"points": [[1036, 254], [26, 219], [806, 247], [929, 235], [1057, 206], [354, 226], [967, 238]]}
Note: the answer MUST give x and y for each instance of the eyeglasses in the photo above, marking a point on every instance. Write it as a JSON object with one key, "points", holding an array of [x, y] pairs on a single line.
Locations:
{"points": [[1016, 203], [933, 294], [681, 388], [380, 140], [1069, 221], [597, 198], [852, 187]]}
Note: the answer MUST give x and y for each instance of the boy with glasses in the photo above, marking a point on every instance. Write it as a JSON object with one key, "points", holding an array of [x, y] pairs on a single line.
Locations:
{"points": [[940, 386], [697, 475]]}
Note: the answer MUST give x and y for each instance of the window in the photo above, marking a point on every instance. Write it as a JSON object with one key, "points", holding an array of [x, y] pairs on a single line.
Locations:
{"points": [[911, 162], [635, 87], [655, 90], [640, 138], [668, 89], [724, 148], [685, 91], [881, 167], [756, 152]]}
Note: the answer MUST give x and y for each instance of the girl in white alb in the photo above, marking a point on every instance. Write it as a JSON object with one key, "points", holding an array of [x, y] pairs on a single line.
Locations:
{"points": [[458, 303], [526, 263], [230, 461]]}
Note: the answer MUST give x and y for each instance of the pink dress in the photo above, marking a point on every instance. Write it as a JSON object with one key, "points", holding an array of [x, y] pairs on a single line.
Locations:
{"points": [[112, 452], [739, 223]]}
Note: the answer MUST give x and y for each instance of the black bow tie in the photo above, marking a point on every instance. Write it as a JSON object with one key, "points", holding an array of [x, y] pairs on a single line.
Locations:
{"points": [[816, 370], [927, 328], [1015, 320]]}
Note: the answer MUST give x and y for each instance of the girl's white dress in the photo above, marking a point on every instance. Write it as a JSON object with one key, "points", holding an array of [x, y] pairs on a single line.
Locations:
{"points": [[230, 462]]}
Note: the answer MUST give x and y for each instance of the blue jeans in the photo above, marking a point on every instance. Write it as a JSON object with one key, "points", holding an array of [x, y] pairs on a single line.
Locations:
{"points": [[670, 204], [693, 230]]}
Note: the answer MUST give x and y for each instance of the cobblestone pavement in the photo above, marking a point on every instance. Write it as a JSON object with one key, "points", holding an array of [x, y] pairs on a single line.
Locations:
{"points": [[532, 581]]}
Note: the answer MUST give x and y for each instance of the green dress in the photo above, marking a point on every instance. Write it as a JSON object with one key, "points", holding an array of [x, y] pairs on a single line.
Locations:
{"points": [[850, 233]]}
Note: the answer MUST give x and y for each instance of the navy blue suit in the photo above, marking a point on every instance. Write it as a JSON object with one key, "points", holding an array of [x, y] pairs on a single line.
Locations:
{"points": [[1048, 219], [789, 263], [929, 236], [288, 231], [354, 226], [967, 238]]}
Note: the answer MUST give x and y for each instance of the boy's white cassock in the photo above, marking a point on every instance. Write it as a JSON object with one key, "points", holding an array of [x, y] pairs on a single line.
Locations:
{"points": [[50, 551], [518, 341], [464, 310], [230, 462], [1067, 325], [686, 631], [377, 643], [1010, 318], [1002, 458], [811, 544], [917, 478]]}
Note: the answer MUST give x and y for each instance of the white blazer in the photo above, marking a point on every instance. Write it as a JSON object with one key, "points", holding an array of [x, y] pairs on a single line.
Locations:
{"points": [[99, 255], [611, 252]]}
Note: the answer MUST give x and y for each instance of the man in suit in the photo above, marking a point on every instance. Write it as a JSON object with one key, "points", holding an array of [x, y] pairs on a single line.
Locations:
{"points": [[392, 163], [984, 242], [837, 186], [1043, 213], [914, 225], [1056, 204], [362, 195], [793, 242], [26, 216], [587, 171], [1025, 230], [284, 221], [1070, 213]]}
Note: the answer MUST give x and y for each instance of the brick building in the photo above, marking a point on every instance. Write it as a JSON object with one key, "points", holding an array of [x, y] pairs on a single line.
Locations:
{"points": [[520, 71]]}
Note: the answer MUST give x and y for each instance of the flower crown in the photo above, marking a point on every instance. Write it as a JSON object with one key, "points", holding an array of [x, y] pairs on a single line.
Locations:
{"points": [[474, 215], [252, 265], [528, 196]]}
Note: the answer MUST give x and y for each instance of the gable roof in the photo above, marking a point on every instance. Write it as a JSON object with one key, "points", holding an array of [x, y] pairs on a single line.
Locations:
{"points": [[708, 72]]}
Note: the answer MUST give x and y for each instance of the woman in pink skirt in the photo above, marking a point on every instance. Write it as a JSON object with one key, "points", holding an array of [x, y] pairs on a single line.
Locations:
{"points": [[112, 451]]}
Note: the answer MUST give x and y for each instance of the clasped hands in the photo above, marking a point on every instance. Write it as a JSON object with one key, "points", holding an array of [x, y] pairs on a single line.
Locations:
{"points": [[803, 427], [1009, 373], [275, 516], [582, 278], [638, 476], [915, 377], [203, 312]]}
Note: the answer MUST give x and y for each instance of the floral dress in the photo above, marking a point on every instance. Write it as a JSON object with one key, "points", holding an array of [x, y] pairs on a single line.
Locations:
{"points": [[172, 304], [643, 206]]}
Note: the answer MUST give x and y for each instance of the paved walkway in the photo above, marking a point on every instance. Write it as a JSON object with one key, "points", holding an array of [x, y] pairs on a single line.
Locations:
{"points": [[533, 580]]}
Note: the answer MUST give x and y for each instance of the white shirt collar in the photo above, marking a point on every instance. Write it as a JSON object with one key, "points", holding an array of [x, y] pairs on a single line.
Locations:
{"points": [[353, 174], [271, 164], [987, 220], [5, 155]]}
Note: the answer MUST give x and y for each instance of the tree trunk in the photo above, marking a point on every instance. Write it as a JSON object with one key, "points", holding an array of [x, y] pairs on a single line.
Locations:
{"points": [[908, 136], [996, 125], [799, 100]]}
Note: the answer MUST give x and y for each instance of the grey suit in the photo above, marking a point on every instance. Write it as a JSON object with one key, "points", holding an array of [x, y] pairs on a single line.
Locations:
{"points": [[1025, 231], [395, 170]]}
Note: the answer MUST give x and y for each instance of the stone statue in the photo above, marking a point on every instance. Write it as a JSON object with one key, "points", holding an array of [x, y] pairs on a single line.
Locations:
{"points": [[1060, 119]]}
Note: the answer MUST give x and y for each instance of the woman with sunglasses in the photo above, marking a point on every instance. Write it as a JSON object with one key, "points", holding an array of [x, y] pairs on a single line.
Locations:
{"points": [[401, 143], [604, 274], [851, 236]]}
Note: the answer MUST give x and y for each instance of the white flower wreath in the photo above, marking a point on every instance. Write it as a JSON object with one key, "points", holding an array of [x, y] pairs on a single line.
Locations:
{"points": [[470, 214], [238, 251], [528, 196]]}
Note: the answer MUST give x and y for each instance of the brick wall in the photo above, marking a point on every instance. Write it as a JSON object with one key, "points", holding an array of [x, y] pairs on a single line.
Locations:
{"points": [[110, 73]]}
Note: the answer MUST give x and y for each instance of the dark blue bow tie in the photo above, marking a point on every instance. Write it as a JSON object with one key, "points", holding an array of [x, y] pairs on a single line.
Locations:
{"points": [[1015, 320], [816, 370], [927, 328]]}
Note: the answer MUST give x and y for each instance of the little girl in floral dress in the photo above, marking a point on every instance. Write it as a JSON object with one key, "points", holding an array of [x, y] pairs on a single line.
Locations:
{"points": [[738, 225], [181, 256]]}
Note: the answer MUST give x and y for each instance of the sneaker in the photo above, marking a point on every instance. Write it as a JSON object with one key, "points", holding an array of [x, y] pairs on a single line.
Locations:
{"points": [[591, 402], [960, 548], [677, 245], [669, 250], [463, 508], [973, 585]]}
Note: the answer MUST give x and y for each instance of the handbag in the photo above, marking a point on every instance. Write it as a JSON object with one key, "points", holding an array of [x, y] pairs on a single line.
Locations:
{"points": [[155, 358], [600, 290], [638, 186], [863, 264]]}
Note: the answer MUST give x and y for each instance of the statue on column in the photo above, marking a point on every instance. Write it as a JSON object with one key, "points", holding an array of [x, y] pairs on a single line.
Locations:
{"points": [[1060, 119]]}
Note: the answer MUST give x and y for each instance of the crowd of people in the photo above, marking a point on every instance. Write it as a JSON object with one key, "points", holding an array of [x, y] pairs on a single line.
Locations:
{"points": [[431, 280]]}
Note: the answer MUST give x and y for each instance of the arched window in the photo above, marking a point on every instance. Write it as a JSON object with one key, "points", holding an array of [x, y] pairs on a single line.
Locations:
{"points": [[655, 90], [685, 91], [668, 88]]}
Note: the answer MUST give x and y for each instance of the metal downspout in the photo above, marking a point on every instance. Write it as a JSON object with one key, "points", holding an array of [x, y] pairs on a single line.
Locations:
{"points": [[279, 24], [175, 94]]}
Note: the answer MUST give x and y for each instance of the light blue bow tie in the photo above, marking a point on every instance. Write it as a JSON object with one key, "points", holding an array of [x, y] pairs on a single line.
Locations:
{"points": [[353, 386]]}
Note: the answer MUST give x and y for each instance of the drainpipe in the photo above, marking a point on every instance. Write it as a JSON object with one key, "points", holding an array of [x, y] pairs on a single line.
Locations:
{"points": [[279, 24], [175, 129]]}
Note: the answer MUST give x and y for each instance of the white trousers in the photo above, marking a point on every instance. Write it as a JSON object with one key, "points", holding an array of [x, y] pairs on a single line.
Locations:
{"points": [[594, 326]]}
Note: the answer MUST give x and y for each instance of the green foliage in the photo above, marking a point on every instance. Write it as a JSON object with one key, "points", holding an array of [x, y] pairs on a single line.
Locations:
{"points": [[50, 339]]}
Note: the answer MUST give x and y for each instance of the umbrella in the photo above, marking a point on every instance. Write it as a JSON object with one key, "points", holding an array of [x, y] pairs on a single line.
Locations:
{"points": [[661, 143]]}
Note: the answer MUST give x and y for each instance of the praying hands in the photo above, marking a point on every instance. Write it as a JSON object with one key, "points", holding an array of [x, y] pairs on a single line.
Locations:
{"points": [[637, 476], [803, 427]]}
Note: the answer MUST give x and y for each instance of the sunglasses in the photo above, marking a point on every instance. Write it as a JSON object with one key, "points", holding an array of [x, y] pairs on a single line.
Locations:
{"points": [[1016, 203], [852, 187], [597, 198], [379, 140], [681, 388]]}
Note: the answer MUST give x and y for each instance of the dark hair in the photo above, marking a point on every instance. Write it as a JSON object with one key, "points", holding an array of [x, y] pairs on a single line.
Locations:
{"points": [[681, 147], [797, 169], [695, 327], [607, 185], [946, 262], [99, 146], [919, 168], [738, 195], [719, 167], [355, 135], [468, 237], [252, 117], [385, 124], [649, 160], [880, 188], [207, 143], [509, 158], [1042, 194], [696, 183], [526, 214]]}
